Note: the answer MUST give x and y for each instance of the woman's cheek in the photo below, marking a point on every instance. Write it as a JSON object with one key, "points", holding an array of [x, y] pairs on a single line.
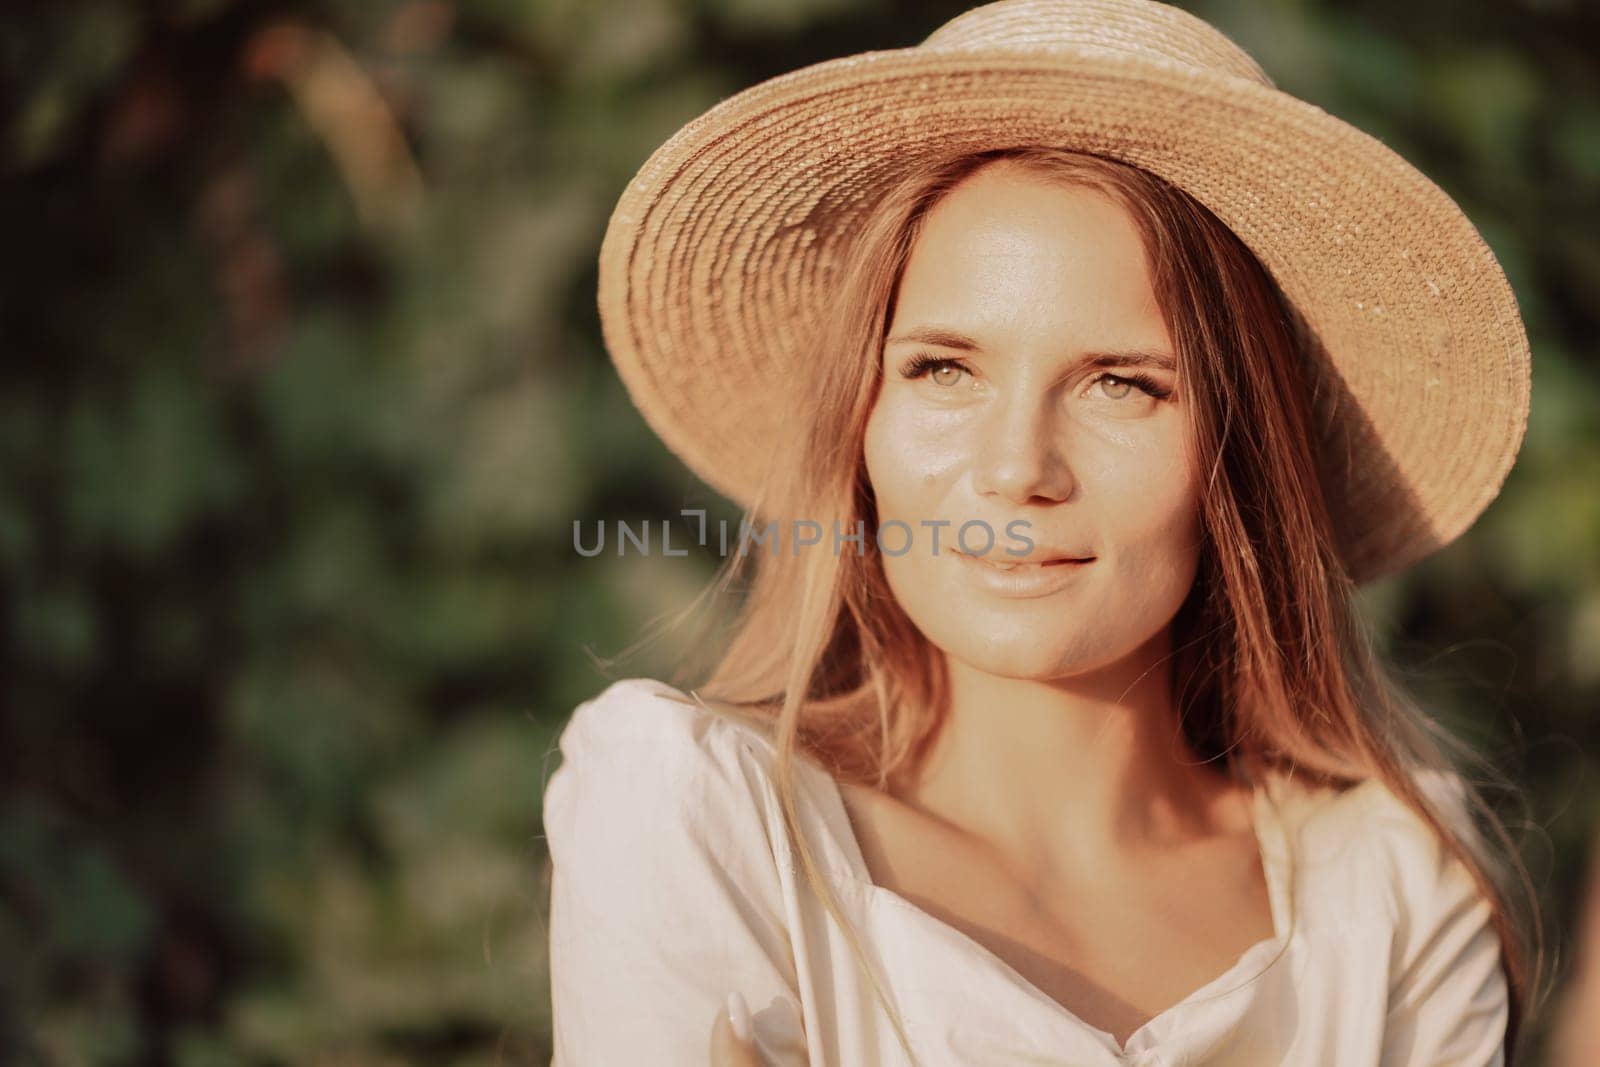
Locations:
{"points": [[1160, 534], [911, 454]]}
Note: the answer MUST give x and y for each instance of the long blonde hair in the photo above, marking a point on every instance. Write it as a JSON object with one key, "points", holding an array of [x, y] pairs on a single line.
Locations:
{"points": [[1273, 668]]}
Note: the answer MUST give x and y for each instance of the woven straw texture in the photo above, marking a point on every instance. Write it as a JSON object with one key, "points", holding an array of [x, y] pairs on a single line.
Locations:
{"points": [[717, 264]]}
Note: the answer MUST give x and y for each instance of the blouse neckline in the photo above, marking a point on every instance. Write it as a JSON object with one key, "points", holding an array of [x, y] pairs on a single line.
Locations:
{"points": [[1224, 990]]}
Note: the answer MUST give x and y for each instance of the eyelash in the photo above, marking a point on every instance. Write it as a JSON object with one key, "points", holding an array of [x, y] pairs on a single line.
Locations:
{"points": [[921, 363]]}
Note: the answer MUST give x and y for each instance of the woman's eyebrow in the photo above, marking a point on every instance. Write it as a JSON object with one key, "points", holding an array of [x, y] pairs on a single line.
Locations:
{"points": [[936, 335], [944, 338]]}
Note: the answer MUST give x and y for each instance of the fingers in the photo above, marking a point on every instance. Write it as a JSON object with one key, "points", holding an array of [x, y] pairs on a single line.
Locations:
{"points": [[728, 1048]]}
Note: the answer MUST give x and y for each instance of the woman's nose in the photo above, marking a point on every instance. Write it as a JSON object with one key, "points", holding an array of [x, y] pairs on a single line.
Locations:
{"points": [[1021, 457]]}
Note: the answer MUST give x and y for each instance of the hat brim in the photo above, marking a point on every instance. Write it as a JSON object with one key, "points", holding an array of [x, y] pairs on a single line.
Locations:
{"points": [[716, 265]]}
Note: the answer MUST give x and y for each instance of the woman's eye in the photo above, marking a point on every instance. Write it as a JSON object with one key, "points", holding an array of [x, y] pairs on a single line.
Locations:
{"points": [[1114, 387], [942, 372], [948, 373], [1117, 387]]}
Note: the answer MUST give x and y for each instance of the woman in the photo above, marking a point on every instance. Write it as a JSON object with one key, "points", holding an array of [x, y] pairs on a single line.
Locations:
{"points": [[1072, 378]]}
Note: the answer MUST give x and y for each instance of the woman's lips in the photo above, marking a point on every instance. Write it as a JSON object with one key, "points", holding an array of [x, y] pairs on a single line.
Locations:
{"points": [[1003, 562], [1023, 580]]}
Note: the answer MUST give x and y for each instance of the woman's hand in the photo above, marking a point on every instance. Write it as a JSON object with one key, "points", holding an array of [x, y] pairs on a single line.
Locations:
{"points": [[731, 1040]]}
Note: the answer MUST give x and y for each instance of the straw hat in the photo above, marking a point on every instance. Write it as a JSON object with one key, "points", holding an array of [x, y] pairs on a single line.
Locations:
{"points": [[717, 263]]}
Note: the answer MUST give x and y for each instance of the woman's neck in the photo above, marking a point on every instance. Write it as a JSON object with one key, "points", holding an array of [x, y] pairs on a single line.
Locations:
{"points": [[1089, 769]]}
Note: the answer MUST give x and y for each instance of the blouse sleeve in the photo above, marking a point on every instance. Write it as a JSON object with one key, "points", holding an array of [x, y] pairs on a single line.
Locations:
{"points": [[664, 890], [1448, 999]]}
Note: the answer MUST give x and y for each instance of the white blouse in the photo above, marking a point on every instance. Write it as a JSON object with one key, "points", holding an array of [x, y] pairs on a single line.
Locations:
{"points": [[673, 884]]}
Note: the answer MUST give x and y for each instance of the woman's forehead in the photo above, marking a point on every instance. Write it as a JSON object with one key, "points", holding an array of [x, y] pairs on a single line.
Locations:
{"points": [[1012, 262]]}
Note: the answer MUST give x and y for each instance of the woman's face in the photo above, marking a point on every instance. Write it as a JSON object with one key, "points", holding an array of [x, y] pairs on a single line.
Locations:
{"points": [[1014, 289]]}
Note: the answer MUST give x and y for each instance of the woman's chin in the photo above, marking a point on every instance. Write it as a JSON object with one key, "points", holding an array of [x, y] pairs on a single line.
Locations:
{"points": [[1022, 660]]}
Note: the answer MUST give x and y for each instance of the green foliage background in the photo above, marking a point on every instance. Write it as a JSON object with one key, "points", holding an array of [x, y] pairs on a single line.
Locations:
{"points": [[296, 416]]}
